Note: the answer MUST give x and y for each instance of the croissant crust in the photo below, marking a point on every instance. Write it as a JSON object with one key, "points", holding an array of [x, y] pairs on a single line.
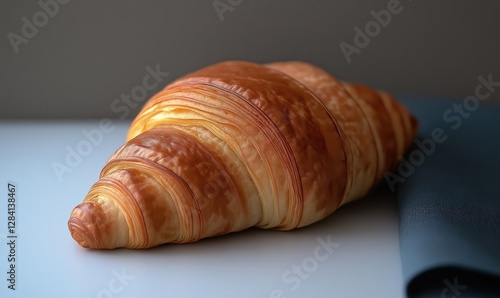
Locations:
{"points": [[236, 145]]}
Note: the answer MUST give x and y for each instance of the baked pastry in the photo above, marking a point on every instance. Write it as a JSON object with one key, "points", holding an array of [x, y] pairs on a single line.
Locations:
{"points": [[236, 145]]}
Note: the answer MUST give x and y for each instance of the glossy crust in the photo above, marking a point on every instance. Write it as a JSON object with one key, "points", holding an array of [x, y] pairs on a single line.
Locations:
{"points": [[236, 145]]}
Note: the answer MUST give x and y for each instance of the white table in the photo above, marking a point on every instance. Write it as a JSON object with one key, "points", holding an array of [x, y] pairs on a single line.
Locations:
{"points": [[363, 262]]}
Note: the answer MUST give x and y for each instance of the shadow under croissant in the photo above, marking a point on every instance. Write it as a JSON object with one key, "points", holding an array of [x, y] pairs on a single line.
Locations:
{"points": [[370, 218]]}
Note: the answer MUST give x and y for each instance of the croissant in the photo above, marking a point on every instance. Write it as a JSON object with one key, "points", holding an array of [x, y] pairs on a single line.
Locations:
{"points": [[238, 145]]}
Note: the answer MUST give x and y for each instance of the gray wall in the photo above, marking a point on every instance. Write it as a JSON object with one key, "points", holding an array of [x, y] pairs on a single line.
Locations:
{"points": [[88, 53]]}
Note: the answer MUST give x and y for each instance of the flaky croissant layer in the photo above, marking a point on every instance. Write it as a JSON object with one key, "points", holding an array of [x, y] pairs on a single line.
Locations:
{"points": [[236, 145]]}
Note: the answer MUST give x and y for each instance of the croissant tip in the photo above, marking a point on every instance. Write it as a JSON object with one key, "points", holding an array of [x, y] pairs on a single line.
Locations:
{"points": [[79, 230]]}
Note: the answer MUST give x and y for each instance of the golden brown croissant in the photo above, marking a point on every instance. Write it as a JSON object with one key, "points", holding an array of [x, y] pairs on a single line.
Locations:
{"points": [[236, 145]]}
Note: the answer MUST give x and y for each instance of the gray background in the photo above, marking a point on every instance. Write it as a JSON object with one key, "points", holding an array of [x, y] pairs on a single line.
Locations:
{"points": [[90, 52]]}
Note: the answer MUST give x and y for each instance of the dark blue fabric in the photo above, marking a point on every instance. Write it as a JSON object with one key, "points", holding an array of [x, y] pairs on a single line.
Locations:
{"points": [[449, 202]]}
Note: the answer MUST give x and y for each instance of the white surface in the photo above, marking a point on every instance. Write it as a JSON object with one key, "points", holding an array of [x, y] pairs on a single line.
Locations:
{"points": [[252, 263]]}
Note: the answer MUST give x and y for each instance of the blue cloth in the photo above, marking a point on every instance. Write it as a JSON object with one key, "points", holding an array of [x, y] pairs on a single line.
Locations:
{"points": [[448, 189]]}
